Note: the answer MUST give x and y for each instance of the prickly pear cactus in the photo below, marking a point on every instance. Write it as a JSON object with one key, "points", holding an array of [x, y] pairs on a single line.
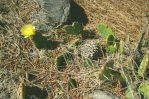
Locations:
{"points": [[104, 30], [143, 66], [63, 60], [74, 29]]}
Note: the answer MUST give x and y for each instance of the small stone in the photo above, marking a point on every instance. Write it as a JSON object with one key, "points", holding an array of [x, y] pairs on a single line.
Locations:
{"points": [[98, 94], [52, 14]]}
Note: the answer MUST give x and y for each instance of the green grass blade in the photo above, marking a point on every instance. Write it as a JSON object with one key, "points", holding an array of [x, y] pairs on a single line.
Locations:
{"points": [[143, 66]]}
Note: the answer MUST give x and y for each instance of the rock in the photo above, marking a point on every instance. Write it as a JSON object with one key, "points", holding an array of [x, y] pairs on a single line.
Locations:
{"points": [[98, 94], [52, 14]]}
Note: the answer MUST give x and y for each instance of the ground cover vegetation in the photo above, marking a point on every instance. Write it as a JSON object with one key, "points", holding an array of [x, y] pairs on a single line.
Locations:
{"points": [[71, 61]]}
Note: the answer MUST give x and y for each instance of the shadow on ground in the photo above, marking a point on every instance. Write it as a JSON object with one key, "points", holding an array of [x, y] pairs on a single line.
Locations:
{"points": [[35, 93], [89, 34], [42, 42], [78, 14]]}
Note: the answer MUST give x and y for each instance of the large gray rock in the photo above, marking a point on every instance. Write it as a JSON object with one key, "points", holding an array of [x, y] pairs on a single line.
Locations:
{"points": [[52, 14]]}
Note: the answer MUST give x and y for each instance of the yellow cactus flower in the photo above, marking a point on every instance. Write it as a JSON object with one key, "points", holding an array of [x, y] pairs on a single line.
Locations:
{"points": [[27, 30]]}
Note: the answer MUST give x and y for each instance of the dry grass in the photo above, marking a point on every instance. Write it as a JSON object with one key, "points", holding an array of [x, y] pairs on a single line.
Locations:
{"points": [[20, 55], [123, 16]]}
